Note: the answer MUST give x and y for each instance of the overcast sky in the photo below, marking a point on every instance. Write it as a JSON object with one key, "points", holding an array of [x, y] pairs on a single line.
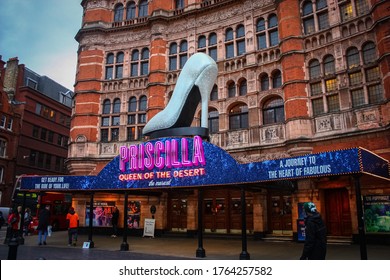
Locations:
{"points": [[41, 34]]}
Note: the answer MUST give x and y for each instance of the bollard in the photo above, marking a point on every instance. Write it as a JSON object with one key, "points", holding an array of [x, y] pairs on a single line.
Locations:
{"points": [[12, 248]]}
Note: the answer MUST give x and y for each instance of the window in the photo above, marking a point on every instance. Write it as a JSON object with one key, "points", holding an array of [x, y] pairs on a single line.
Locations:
{"points": [[114, 134], [264, 82], [104, 135], [3, 148], [109, 66], [314, 69], [231, 89], [214, 93], [361, 7], [118, 13], [273, 111], [119, 65], [372, 74], [173, 56], [142, 103], [318, 106], [145, 61], [329, 66], [240, 42], [3, 120], [35, 131], [357, 97], [243, 88], [273, 30], [333, 103], [369, 53], [183, 54], [134, 63], [353, 59], [130, 133], [355, 78], [229, 46], [116, 106], [346, 11], [375, 94], [213, 121], [43, 134], [1, 174], [315, 16], [331, 85], [208, 45], [143, 8], [276, 79], [106, 106], [179, 4], [315, 89], [133, 104], [130, 10], [238, 117]]}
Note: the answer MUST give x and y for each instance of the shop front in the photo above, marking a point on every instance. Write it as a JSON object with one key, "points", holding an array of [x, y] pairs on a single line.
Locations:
{"points": [[192, 186]]}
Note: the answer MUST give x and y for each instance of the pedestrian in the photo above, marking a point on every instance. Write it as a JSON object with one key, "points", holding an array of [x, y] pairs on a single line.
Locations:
{"points": [[2, 220], [114, 221], [315, 232], [73, 224], [27, 221], [43, 223], [13, 223]]}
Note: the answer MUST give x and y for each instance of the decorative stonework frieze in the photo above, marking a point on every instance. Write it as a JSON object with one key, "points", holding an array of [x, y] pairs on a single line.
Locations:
{"points": [[237, 137], [328, 123], [272, 134], [108, 149], [368, 118]]}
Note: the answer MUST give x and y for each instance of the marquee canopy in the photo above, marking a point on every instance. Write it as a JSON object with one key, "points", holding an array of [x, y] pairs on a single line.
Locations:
{"points": [[192, 162]]}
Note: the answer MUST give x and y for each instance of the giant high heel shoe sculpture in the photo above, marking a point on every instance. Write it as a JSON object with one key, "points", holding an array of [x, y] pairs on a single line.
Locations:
{"points": [[194, 84]]}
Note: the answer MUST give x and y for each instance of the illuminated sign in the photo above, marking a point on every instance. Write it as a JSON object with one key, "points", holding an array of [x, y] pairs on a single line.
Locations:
{"points": [[158, 155]]}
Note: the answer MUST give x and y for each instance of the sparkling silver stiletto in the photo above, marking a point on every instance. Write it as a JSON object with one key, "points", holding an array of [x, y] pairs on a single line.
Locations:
{"points": [[194, 84]]}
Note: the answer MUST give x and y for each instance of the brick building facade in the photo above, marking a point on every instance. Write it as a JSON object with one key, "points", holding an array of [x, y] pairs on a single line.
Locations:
{"points": [[34, 126], [295, 77]]}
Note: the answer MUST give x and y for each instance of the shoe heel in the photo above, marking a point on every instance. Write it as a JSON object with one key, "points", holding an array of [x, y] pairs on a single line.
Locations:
{"points": [[210, 73]]}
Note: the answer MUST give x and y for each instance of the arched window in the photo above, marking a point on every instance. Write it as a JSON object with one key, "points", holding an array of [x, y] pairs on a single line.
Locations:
{"points": [[231, 89], [134, 63], [142, 103], [214, 93], [261, 34], [238, 117], [369, 53], [314, 69], [353, 59], [183, 53], [109, 66], [213, 53], [240, 39], [276, 79], [132, 104], [118, 13], [264, 82], [329, 66], [145, 61], [273, 111], [213, 120], [130, 10], [273, 32], [179, 4], [119, 65], [201, 42], [106, 106], [173, 56], [229, 44], [143, 8], [116, 108], [243, 88]]}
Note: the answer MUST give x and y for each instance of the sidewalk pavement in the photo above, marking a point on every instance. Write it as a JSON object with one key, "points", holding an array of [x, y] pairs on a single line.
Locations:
{"points": [[146, 248]]}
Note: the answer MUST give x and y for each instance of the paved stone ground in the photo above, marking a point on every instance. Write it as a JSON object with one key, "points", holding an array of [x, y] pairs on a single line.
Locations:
{"points": [[145, 248]]}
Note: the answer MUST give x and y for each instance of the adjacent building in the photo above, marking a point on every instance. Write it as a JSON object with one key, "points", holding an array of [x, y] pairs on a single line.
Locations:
{"points": [[35, 116], [295, 78]]}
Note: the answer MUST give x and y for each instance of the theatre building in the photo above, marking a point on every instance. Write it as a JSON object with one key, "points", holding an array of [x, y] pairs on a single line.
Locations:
{"points": [[301, 86]]}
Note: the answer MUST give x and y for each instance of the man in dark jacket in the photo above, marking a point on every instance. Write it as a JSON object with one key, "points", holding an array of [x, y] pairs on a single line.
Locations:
{"points": [[315, 230], [43, 223]]}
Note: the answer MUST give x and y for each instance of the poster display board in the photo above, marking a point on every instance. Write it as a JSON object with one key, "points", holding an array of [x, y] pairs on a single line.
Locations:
{"points": [[149, 227], [102, 213], [377, 213], [134, 214]]}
